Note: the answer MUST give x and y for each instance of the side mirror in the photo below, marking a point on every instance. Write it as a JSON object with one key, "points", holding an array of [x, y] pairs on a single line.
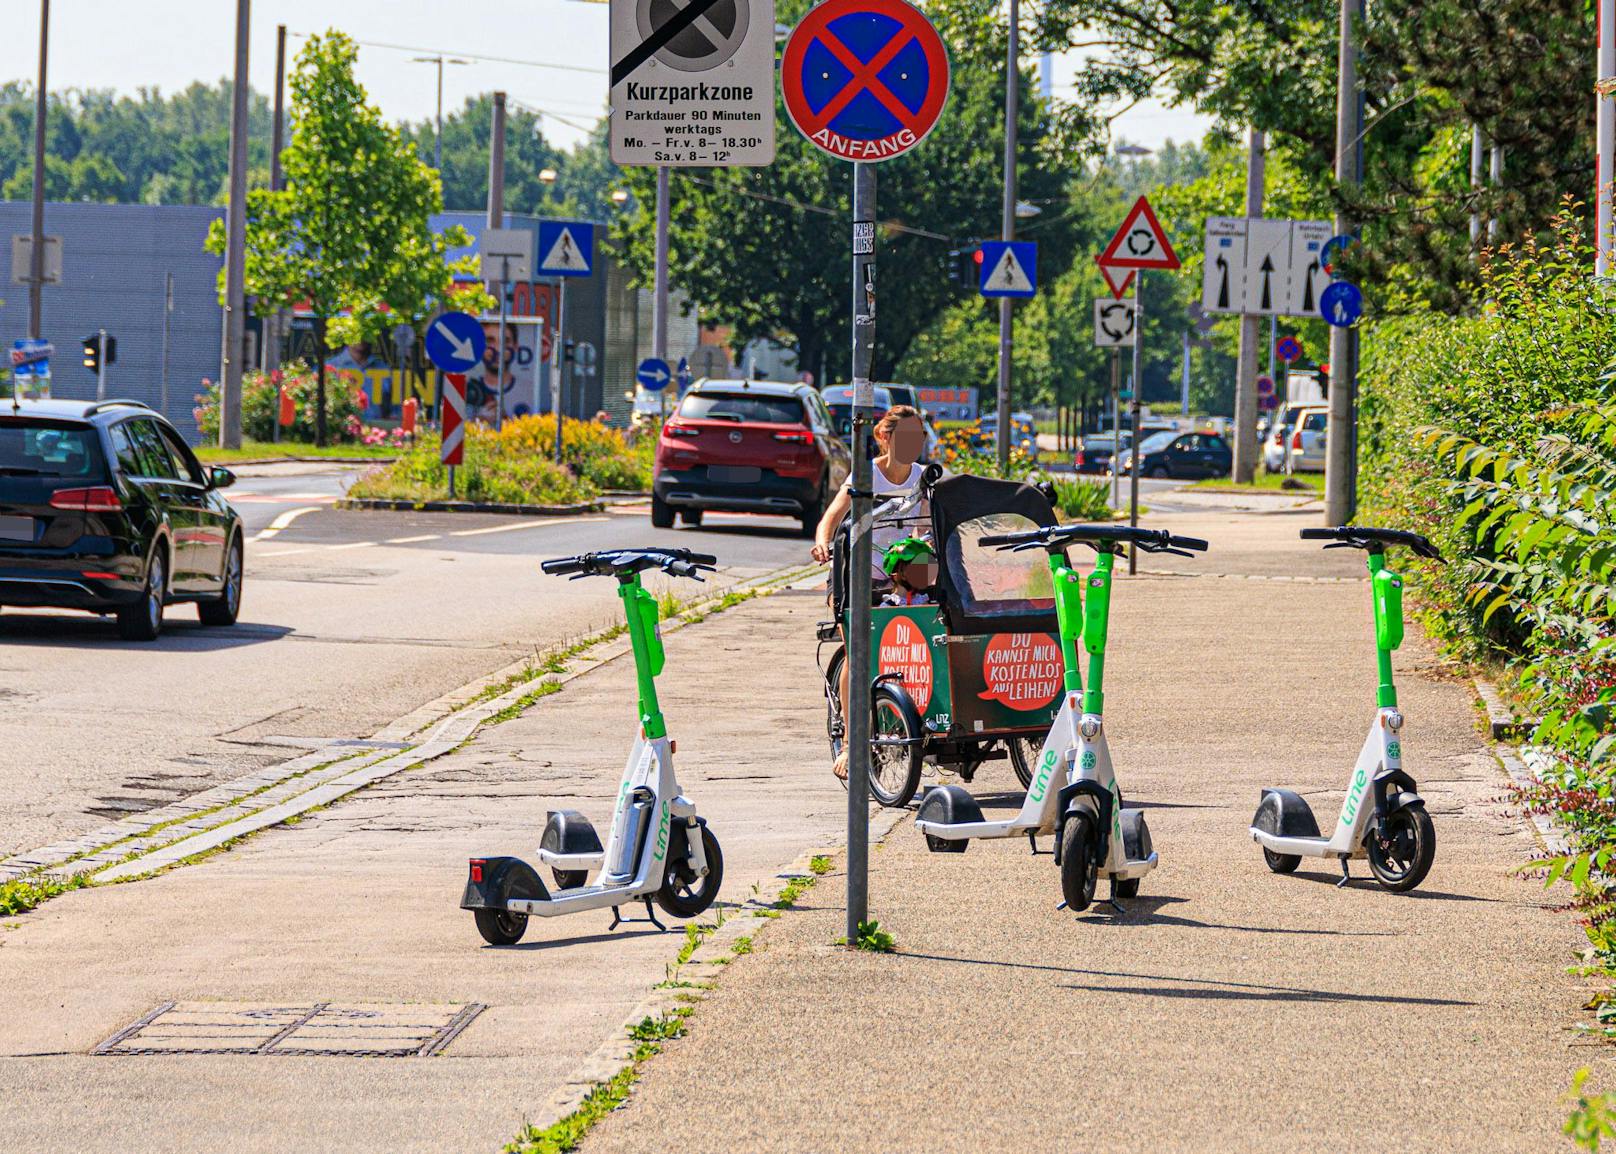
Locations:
{"points": [[220, 478]]}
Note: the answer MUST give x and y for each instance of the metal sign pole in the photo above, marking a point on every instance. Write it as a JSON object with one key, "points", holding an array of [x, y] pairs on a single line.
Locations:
{"points": [[557, 344], [168, 312], [858, 641], [101, 366], [1138, 392], [499, 357], [1116, 426]]}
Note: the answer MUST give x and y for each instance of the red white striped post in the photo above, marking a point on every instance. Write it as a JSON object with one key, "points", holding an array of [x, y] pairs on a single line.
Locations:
{"points": [[454, 423]]}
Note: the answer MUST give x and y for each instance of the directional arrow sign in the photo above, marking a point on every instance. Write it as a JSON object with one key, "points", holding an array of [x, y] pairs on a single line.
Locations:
{"points": [[1009, 268], [1223, 276], [653, 374], [1140, 243], [1113, 324], [1308, 275], [1268, 251], [455, 342]]}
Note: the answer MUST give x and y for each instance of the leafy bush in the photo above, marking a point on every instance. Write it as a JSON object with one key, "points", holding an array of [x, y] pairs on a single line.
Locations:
{"points": [[596, 452], [1081, 500], [260, 405]]}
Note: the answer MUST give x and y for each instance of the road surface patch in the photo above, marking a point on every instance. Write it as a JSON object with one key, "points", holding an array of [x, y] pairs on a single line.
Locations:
{"points": [[319, 1029]]}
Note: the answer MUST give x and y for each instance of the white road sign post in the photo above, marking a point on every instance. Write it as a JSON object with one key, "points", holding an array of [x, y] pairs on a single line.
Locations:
{"points": [[692, 86], [1113, 324]]}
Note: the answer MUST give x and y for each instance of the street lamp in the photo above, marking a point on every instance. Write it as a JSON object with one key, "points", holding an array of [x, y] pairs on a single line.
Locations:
{"points": [[1132, 150], [440, 60], [547, 175], [619, 196]]}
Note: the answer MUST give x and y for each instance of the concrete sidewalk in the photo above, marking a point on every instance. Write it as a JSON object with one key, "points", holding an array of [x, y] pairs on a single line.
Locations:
{"points": [[1230, 1009], [356, 908]]}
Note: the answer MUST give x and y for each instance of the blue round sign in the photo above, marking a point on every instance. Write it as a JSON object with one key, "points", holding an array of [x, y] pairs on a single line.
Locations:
{"points": [[1341, 304], [455, 342], [1330, 252], [684, 374], [653, 374]]}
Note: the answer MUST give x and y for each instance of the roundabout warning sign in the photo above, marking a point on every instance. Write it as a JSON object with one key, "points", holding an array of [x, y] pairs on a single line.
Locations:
{"points": [[864, 79]]}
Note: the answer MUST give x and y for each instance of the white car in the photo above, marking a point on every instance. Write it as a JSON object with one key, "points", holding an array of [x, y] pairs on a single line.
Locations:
{"points": [[1307, 438], [1276, 442]]}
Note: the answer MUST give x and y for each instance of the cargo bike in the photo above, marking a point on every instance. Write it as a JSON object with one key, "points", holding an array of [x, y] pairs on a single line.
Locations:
{"points": [[977, 676]]}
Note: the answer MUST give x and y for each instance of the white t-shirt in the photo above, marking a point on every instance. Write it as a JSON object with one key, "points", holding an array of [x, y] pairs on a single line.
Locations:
{"points": [[884, 530]]}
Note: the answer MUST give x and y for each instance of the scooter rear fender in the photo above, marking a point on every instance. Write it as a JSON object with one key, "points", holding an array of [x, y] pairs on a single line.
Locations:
{"points": [[502, 879]]}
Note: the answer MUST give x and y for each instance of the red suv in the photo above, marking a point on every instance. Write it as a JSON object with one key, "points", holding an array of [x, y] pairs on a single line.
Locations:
{"points": [[750, 446]]}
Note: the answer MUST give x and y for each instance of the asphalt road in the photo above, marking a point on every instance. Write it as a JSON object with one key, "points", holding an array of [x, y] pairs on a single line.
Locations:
{"points": [[350, 620]]}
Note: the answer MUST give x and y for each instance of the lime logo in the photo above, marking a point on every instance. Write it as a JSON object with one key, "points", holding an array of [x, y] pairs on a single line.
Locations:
{"points": [[1355, 795], [662, 836], [1394, 750], [1041, 782], [1116, 814], [1088, 760]]}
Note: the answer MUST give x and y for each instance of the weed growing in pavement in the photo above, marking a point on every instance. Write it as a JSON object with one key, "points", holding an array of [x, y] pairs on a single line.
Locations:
{"points": [[1592, 1118], [793, 890], [515, 708], [820, 864], [742, 945], [668, 1026], [25, 893], [693, 935], [668, 605], [872, 938]]}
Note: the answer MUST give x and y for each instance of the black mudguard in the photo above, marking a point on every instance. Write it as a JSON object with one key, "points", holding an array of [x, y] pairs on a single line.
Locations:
{"points": [[1404, 799], [1283, 813], [949, 805], [1394, 790], [1135, 835], [504, 878], [568, 831], [1066, 805]]}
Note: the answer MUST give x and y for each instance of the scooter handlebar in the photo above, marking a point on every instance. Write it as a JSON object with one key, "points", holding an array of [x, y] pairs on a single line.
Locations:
{"points": [[618, 562]]}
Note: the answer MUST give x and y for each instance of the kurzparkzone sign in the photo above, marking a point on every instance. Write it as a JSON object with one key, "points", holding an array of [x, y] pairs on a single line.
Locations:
{"points": [[692, 84]]}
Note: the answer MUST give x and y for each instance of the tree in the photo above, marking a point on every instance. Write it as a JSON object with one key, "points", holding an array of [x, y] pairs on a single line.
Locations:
{"points": [[350, 230]]}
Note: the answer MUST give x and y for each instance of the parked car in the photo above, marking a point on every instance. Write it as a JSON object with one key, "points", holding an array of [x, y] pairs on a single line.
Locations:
{"points": [[749, 446], [104, 507], [1180, 455], [908, 395], [1097, 450], [1277, 440], [1023, 433], [1307, 440], [839, 399]]}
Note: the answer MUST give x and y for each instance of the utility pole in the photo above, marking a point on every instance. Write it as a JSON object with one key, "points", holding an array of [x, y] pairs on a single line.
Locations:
{"points": [[36, 271], [101, 364], [1495, 173], [659, 280], [1245, 383], [271, 353], [496, 219], [1012, 85], [1134, 402], [1605, 138], [235, 301], [437, 139], [1340, 461], [858, 641], [168, 313]]}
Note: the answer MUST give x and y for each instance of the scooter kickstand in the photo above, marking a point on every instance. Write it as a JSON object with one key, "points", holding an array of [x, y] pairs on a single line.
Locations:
{"points": [[1345, 875], [1032, 840], [651, 914], [617, 919]]}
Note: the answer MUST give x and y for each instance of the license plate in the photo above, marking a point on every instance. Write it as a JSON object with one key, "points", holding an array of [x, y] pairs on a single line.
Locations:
{"points": [[16, 529], [734, 474]]}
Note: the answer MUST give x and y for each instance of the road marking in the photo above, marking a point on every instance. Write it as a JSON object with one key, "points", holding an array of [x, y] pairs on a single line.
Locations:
{"points": [[412, 540], [290, 552], [282, 522], [524, 525], [352, 545]]}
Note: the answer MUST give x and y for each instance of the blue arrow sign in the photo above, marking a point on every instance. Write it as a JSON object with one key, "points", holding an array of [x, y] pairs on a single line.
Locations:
{"points": [[1341, 304], [566, 248], [455, 342], [653, 374], [1009, 268], [683, 375]]}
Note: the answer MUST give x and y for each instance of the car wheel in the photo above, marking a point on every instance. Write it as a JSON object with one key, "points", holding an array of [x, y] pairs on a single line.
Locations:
{"points": [[1159, 471], [690, 517], [222, 610], [143, 620], [661, 513]]}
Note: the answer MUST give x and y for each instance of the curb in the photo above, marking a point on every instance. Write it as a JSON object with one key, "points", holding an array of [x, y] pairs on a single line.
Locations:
{"points": [[1504, 724], [306, 461], [469, 507]]}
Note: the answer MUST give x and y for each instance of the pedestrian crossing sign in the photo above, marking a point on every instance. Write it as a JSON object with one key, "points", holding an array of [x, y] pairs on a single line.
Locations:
{"points": [[566, 248], [1009, 268]]}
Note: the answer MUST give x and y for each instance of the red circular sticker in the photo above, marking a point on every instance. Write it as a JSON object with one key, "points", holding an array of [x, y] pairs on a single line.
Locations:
{"points": [[1022, 670], [864, 79], [905, 651]]}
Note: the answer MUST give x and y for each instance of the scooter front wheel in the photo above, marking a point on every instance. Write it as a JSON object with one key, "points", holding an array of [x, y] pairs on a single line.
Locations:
{"points": [[1402, 850], [1078, 869], [683, 894]]}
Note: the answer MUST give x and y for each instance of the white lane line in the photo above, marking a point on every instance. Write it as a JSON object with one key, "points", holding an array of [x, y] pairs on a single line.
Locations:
{"points": [[352, 545], [282, 522], [524, 525], [412, 540]]}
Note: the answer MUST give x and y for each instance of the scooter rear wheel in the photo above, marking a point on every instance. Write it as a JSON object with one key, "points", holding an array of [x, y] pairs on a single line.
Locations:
{"points": [[569, 879], [683, 894], [1281, 863], [1078, 869], [500, 927], [1410, 847]]}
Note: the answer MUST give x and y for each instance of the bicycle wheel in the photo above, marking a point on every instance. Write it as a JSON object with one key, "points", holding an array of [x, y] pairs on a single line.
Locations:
{"points": [[1024, 753], [835, 728], [897, 746]]}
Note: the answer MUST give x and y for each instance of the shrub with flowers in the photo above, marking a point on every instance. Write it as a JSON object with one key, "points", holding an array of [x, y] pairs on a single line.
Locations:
{"points": [[260, 406]]}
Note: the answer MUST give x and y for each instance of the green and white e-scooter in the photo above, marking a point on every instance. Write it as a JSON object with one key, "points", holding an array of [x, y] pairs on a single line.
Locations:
{"points": [[1074, 792], [1383, 817], [658, 848]]}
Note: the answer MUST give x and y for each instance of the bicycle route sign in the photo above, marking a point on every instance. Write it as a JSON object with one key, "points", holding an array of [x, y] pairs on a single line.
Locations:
{"points": [[692, 82], [864, 80]]}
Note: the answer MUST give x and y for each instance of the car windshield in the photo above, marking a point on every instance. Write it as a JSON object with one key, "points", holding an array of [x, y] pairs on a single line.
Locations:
{"points": [[1156, 442], [38, 449], [741, 407], [1103, 441]]}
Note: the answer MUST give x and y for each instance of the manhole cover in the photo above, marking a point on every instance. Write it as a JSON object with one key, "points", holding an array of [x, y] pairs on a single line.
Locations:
{"points": [[359, 1030]]}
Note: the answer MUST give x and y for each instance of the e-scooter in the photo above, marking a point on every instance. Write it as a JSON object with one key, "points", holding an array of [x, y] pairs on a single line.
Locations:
{"points": [[658, 847], [1382, 817], [1093, 832]]}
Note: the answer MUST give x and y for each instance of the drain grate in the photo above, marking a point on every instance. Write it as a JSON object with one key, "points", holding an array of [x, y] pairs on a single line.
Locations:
{"points": [[319, 1029]]}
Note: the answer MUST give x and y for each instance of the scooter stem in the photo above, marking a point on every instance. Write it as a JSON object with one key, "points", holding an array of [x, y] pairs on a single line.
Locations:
{"points": [[641, 611], [1386, 594]]}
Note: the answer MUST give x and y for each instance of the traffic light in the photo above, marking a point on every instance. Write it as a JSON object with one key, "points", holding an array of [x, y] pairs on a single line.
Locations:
{"points": [[93, 350], [965, 267], [569, 351]]}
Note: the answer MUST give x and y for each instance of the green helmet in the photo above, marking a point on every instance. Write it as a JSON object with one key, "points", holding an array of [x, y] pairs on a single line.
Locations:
{"points": [[905, 550]]}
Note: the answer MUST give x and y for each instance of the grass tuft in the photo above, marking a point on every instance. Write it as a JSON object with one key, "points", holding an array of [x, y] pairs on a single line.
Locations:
{"points": [[25, 893]]}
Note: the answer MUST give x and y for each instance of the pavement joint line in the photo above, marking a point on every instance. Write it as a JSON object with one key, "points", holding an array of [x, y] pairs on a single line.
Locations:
{"points": [[446, 735]]}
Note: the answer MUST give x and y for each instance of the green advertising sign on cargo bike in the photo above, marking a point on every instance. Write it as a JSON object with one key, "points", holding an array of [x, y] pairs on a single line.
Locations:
{"points": [[975, 677]]}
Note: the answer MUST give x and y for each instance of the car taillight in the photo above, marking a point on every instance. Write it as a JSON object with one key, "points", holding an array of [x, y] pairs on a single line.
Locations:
{"points": [[1296, 441], [673, 430], [795, 438], [1078, 462], [100, 499]]}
